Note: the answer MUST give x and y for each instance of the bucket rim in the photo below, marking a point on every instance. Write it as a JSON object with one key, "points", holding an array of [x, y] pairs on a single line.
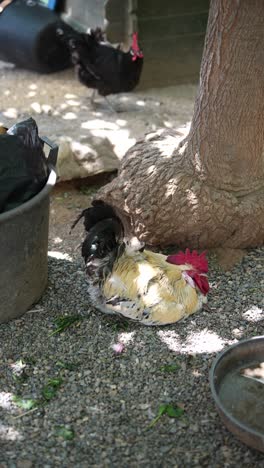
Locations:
{"points": [[18, 210]]}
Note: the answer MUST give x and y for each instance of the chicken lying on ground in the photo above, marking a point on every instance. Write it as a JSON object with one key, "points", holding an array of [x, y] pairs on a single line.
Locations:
{"points": [[127, 280], [98, 64]]}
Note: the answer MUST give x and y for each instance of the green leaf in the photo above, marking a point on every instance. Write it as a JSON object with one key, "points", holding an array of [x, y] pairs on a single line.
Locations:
{"points": [[162, 409], [65, 433], [56, 382], [170, 410], [48, 393], [51, 388], [170, 367], [174, 411], [64, 322], [25, 403]]}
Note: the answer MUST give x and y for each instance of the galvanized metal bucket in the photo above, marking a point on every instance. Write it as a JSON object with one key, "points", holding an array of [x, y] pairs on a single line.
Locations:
{"points": [[24, 248]]}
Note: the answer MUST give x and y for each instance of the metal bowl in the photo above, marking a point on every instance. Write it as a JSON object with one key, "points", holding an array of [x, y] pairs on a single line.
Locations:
{"points": [[238, 390]]}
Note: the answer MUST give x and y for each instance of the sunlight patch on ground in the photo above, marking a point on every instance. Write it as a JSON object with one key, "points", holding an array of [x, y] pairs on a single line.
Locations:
{"points": [[6, 400], [123, 339], [69, 116], [126, 337], [88, 157], [70, 96], [124, 98], [72, 102], [9, 433], [84, 151], [36, 107], [254, 314], [121, 122], [200, 342], [168, 124], [99, 124], [119, 139], [140, 103], [204, 342], [171, 339], [237, 333], [59, 255], [57, 240], [46, 108], [11, 113]]}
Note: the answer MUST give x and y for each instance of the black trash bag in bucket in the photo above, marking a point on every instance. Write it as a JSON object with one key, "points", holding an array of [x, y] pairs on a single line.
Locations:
{"points": [[23, 165], [28, 37]]}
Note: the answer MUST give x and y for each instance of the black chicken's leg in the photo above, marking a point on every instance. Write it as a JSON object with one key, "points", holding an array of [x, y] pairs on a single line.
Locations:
{"points": [[109, 104], [92, 97]]}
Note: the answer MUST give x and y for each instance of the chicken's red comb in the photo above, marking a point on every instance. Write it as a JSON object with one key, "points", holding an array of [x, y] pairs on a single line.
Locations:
{"points": [[135, 47], [199, 262]]}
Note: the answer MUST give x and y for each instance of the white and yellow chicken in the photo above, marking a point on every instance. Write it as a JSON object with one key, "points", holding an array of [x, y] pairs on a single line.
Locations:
{"points": [[127, 280]]}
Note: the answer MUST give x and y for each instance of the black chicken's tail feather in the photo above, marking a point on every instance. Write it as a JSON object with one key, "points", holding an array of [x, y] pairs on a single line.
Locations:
{"points": [[72, 38], [97, 34], [65, 33], [80, 216], [98, 212]]}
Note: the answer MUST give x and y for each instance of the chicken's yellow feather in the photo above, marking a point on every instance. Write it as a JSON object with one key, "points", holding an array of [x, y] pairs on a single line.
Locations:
{"points": [[152, 283]]}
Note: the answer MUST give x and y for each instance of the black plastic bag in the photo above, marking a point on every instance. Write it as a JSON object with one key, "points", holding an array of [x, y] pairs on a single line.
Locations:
{"points": [[23, 165]]}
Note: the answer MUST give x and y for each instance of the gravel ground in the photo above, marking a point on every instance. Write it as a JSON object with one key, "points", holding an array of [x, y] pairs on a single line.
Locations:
{"points": [[99, 403]]}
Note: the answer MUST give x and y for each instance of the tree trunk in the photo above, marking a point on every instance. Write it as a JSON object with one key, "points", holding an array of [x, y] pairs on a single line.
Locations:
{"points": [[207, 190]]}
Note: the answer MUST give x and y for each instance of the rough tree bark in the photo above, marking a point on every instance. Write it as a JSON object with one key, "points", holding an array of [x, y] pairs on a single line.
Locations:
{"points": [[207, 190]]}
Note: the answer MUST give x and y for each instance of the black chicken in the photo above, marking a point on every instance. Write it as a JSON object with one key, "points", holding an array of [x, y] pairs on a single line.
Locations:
{"points": [[98, 64]]}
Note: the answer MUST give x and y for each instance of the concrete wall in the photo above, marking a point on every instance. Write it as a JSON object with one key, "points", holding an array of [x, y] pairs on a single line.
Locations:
{"points": [[117, 18], [84, 14], [172, 37]]}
